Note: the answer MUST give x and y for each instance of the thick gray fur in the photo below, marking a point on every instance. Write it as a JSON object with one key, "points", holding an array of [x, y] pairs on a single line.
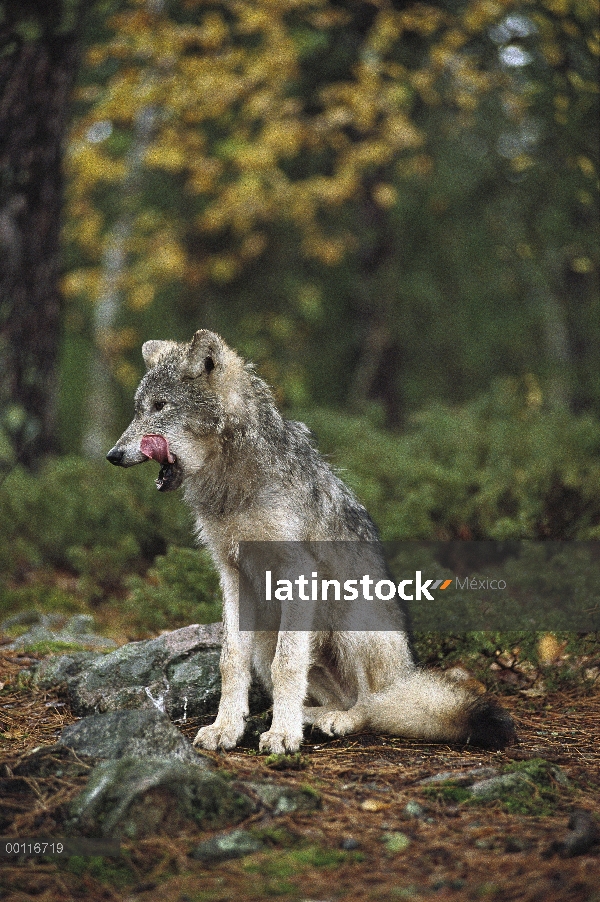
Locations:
{"points": [[248, 475]]}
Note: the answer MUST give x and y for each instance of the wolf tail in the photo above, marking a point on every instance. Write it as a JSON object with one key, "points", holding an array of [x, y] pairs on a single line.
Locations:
{"points": [[433, 707]]}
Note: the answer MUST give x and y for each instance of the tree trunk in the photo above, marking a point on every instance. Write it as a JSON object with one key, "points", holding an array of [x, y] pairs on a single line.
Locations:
{"points": [[100, 425], [37, 69], [99, 430]]}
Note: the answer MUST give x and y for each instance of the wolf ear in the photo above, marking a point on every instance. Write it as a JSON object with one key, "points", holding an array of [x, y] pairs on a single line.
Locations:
{"points": [[205, 355], [154, 351]]}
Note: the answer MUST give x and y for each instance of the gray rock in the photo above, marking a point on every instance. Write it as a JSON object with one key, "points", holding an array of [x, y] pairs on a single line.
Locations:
{"points": [[349, 844], [36, 634], [177, 673], [134, 798], [193, 684], [127, 697], [29, 617], [137, 674], [413, 809], [56, 670], [497, 786], [283, 799], [45, 628], [79, 625], [583, 833], [226, 846], [139, 734], [461, 777], [559, 775]]}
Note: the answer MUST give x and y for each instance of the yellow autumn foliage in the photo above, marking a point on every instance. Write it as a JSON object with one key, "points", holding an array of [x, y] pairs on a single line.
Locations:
{"points": [[239, 138]]}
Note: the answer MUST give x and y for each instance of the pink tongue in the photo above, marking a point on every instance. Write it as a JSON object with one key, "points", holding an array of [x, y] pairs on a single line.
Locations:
{"points": [[156, 447]]}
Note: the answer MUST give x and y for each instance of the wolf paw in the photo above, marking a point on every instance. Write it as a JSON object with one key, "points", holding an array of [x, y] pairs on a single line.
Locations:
{"points": [[278, 743], [311, 715], [215, 737], [335, 723]]}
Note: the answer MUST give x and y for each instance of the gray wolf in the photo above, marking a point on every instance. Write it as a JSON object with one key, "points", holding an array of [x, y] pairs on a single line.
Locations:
{"points": [[248, 474]]}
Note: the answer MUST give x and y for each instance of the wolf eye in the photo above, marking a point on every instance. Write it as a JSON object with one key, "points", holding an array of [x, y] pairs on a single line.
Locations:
{"points": [[158, 405]]}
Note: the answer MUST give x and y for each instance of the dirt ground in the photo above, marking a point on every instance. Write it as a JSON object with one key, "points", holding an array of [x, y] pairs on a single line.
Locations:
{"points": [[347, 849]]}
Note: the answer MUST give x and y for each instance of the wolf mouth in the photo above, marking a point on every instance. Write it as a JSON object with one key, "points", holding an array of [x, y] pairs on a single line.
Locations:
{"points": [[169, 477], [156, 447]]}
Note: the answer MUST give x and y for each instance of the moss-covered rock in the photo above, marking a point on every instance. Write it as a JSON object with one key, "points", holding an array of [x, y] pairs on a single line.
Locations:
{"points": [[133, 798]]}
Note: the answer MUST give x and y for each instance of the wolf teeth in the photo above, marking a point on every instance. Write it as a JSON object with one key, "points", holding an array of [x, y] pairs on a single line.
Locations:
{"points": [[165, 473]]}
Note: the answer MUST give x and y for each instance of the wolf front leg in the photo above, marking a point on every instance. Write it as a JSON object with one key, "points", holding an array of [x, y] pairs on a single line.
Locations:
{"points": [[289, 672], [235, 667]]}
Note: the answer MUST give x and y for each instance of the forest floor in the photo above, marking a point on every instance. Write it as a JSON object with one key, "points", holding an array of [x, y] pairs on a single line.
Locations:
{"points": [[360, 844]]}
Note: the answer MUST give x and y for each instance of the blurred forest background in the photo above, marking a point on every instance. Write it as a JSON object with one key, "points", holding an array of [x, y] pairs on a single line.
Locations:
{"points": [[391, 207]]}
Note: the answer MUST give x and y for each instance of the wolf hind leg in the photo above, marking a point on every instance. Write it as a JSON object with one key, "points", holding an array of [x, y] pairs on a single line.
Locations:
{"points": [[340, 723], [352, 714], [332, 697], [311, 714]]}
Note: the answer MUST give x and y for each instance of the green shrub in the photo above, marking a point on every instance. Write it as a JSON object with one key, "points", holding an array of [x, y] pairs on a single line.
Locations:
{"points": [[182, 587], [499, 467], [83, 517], [38, 597], [106, 528], [496, 468]]}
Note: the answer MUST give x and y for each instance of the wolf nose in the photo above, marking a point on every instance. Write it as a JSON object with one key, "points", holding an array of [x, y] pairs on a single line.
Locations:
{"points": [[115, 456]]}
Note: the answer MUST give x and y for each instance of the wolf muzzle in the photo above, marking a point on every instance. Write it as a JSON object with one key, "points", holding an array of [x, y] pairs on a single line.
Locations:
{"points": [[115, 456], [170, 475], [126, 456]]}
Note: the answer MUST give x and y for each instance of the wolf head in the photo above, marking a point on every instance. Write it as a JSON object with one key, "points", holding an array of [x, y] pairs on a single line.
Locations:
{"points": [[183, 405]]}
